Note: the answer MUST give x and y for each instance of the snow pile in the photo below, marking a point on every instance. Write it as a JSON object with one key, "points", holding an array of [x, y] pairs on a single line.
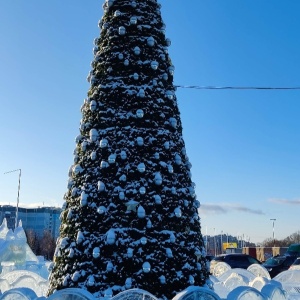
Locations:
{"points": [[233, 284]]}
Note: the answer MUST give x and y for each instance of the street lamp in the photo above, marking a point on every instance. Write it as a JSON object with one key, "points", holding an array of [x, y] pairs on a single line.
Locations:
{"points": [[221, 241], [273, 230], [17, 208], [215, 242]]}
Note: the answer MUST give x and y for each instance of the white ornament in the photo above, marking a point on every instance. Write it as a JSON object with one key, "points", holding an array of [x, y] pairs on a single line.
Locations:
{"points": [[191, 280], [143, 240], [111, 237], [77, 170], [83, 145], [154, 65], [110, 3], [149, 224], [170, 95], [109, 266], [178, 160], [167, 145], [122, 30], [162, 279], [129, 252], [137, 51], [123, 178], [171, 70], [168, 42], [157, 199], [141, 212], [91, 280], [101, 210], [112, 159], [93, 105], [93, 135], [83, 199], [96, 252], [165, 76], [141, 168], [141, 93], [146, 267], [173, 122], [158, 179], [135, 76], [121, 196], [151, 41], [75, 276], [192, 191], [140, 113], [103, 143], [142, 190], [197, 204], [126, 62], [103, 164], [101, 186], [123, 155], [140, 141], [177, 212], [121, 56], [156, 155], [170, 169], [117, 13], [133, 20], [128, 283], [93, 155], [133, 4], [80, 237]]}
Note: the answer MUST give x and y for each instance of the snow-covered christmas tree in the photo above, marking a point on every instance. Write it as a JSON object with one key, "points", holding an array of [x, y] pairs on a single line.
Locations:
{"points": [[131, 216]]}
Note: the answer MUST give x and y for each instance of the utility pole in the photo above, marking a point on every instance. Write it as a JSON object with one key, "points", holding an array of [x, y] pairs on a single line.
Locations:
{"points": [[17, 208], [273, 231]]}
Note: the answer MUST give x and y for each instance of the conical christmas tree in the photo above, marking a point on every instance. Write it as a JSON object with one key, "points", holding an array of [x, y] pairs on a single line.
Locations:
{"points": [[130, 218]]}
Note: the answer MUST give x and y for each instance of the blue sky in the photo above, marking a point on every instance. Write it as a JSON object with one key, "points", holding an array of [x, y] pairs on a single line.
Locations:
{"points": [[244, 144]]}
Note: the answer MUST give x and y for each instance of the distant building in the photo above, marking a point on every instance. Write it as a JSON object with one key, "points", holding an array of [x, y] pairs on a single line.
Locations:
{"points": [[38, 219]]}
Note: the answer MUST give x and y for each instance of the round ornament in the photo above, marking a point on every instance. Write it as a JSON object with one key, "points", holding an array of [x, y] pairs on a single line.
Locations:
{"points": [[103, 143], [137, 51], [96, 252], [135, 76], [123, 155], [146, 267], [142, 190], [117, 13], [112, 159], [150, 41], [122, 30], [140, 113], [101, 186], [93, 105], [154, 65], [93, 135], [101, 210], [133, 20], [140, 141]]}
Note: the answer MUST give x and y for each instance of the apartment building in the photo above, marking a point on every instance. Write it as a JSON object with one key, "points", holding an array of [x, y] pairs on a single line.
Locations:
{"points": [[38, 219]]}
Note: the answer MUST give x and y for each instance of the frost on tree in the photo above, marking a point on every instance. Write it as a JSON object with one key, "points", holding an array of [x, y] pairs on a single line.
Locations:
{"points": [[130, 218]]}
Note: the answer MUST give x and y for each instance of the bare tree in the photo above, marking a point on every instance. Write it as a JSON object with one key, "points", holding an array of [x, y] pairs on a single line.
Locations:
{"points": [[47, 245], [32, 240]]}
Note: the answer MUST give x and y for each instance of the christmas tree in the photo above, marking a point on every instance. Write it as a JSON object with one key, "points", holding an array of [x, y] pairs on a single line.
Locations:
{"points": [[130, 218]]}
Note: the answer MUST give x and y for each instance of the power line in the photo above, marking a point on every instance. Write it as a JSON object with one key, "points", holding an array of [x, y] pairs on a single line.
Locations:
{"points": [[235, 87]]}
